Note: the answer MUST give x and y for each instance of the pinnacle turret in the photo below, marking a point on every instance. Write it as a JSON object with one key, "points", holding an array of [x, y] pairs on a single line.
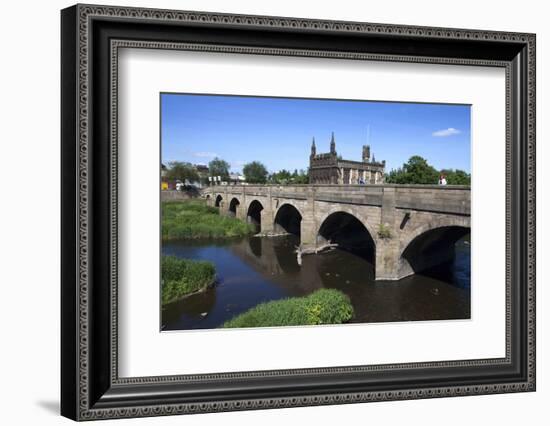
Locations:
{"points": [[332, 145]]}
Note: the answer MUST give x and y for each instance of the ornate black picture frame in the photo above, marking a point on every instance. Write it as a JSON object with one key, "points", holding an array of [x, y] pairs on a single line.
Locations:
{"points": [[91, 387]]}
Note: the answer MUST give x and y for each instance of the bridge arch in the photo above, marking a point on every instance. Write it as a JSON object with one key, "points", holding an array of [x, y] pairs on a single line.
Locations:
{"points": [[359, 213], [431, 244], [233, 205], [218, 201], [288, 219], [294, 203], [254, 214], [349, 232]]}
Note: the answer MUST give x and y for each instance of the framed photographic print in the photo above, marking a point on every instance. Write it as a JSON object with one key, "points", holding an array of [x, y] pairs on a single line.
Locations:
{"points": [[263, 212]]}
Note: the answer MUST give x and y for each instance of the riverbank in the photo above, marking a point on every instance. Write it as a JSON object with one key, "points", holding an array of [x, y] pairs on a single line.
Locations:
{"points": [[183, 277], [193, 219], [325, 306]]}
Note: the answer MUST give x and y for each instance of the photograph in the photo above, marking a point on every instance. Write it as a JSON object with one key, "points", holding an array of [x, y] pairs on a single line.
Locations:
{"points": [[279, 211]]}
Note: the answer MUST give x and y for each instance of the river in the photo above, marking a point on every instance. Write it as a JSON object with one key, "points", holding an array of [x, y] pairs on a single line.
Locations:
{"points": [[253, 270]]}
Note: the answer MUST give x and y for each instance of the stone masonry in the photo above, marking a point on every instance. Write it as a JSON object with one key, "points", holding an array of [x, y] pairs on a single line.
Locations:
{"points": [[394, 215]]}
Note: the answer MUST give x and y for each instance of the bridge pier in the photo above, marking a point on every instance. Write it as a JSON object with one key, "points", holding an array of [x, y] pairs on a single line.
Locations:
{"points": [[387, 248], [266, 217], [308, 226], [241, 212], [308, 233], [387, 260]]}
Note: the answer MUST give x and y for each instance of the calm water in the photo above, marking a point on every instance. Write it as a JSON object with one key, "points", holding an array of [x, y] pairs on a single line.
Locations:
{"points": [[255, 270]]}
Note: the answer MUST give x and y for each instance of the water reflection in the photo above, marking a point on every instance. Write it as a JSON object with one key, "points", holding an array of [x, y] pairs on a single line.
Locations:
{"points": [[254, 270]]}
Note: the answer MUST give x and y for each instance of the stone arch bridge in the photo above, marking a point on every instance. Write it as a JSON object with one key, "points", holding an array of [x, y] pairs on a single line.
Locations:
{"points": [[404, 229]]}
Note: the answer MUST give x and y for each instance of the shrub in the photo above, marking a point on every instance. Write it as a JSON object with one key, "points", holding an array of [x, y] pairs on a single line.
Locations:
{"points": [[194, 219], [384, 231], [325, 306], [181, 277]]}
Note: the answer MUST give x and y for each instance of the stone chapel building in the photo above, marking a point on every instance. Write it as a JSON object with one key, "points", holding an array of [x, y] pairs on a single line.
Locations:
{"points": [[328, 168]]}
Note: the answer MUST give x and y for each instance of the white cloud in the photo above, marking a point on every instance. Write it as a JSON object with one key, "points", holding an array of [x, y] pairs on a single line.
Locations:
{"points": [[205, 154], [446, 132]]}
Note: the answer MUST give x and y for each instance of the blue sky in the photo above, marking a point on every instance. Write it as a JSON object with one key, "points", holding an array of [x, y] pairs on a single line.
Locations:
{"points": [[278, 131]]}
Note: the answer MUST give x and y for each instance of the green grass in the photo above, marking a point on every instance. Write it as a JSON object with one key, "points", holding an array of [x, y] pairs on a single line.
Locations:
{"points": [[181, 277], [194, 219], [325, 306]]}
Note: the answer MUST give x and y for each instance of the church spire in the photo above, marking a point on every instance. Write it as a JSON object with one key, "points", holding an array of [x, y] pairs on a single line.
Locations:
{"points": [[313, 148], [332, 145]]}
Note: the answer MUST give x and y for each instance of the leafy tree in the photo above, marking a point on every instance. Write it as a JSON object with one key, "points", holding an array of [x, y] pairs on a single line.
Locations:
{"points": [[219, 167], [255, 172], [178, 170], [282, 177], [418, 171], [285, 177], [457, 177], [415, 171], [301, 177]]}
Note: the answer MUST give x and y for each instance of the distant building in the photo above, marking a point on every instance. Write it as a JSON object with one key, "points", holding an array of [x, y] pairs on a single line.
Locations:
{"points": [[237, 179], [329, 168]]}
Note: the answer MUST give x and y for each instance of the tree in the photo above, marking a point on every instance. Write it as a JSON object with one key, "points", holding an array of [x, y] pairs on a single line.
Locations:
{"points": [[418, 171], [456, 177], [282, 177], [300, 178], [255, 172], [178, 170], [219, 167], [415, 171]]}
